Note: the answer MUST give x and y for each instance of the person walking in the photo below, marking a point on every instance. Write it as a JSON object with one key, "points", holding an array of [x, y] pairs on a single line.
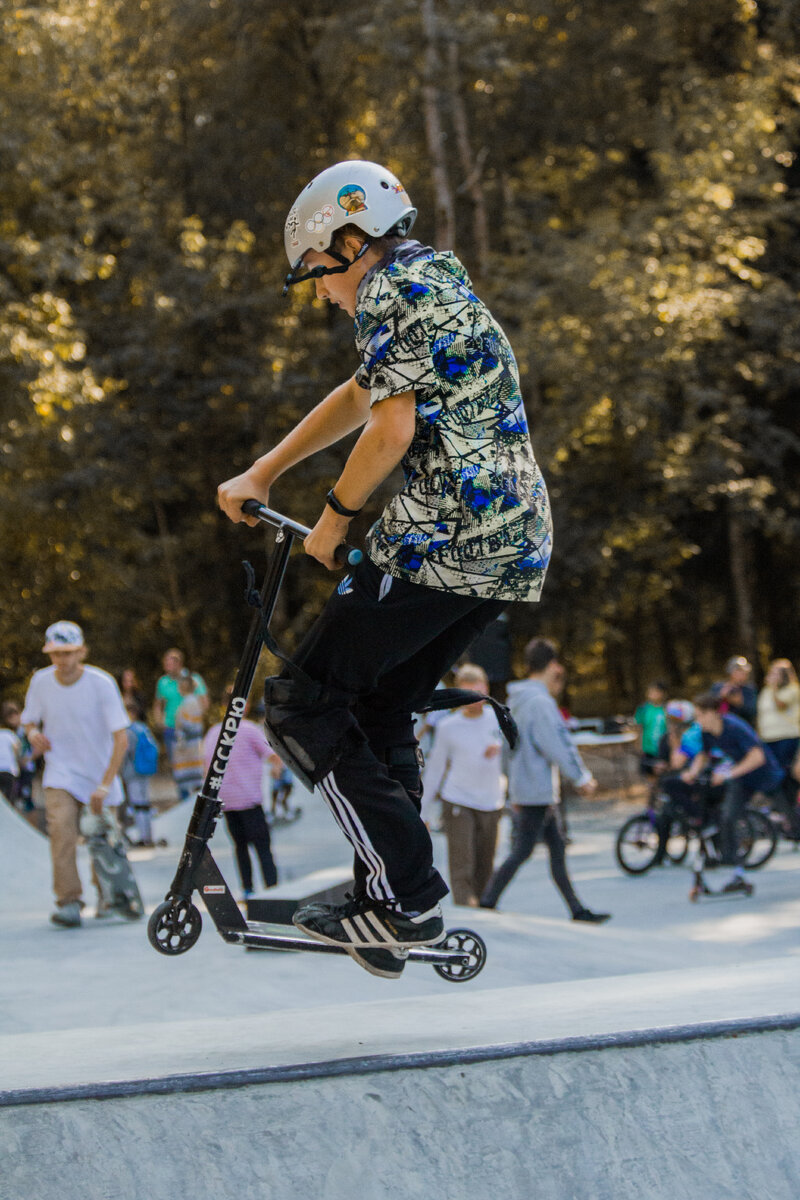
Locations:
{"points": [[241, 798], [469, 531], [74, 716], [544, 748], [464, 769]]}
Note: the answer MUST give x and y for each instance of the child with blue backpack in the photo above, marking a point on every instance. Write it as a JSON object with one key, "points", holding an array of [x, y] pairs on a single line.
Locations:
{"points": [[140, 764]]}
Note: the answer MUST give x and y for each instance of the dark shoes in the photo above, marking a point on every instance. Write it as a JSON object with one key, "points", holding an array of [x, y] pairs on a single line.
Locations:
{"points": [[388, 964], [738, 884], [591, 918], [365, 922]]}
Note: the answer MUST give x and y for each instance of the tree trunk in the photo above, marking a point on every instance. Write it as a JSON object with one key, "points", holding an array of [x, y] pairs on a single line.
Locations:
{"points": [[669, 653], [471, 165], [444, 209], [742, 580], [171, 572]]}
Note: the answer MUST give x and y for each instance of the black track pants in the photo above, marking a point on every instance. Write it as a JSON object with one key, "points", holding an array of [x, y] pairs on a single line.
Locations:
{"points": [[384, 644], [533, 822], [248, 827]]}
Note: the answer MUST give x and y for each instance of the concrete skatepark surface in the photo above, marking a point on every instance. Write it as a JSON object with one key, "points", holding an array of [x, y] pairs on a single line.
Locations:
{"points": [[653, 1056]]}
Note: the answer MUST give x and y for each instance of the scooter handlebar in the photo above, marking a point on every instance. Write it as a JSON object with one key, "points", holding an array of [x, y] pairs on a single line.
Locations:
{"points": [[345, 555]]}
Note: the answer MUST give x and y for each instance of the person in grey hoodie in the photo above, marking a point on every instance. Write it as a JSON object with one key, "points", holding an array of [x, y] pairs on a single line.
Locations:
{"points": [[544, 748]]}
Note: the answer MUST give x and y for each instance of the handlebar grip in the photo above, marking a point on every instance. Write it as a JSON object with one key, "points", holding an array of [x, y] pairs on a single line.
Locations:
{"points": [[347, 556], [252, 508], [344, 555]]}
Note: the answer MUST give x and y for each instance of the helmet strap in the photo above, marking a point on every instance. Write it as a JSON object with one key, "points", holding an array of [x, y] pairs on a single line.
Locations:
{"points": [[317, 272]]}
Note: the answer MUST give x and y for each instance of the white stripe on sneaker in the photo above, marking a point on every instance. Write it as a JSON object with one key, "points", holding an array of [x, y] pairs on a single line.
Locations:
{"points": [[374, 925], [354, 934], [363, 929]]}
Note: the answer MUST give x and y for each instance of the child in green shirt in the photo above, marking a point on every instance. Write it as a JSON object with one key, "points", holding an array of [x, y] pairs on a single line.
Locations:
{"points": [[653, 720]]}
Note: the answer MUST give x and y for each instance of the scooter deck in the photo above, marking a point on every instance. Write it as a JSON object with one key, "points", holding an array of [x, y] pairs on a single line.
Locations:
{"points": [[260, 937]]}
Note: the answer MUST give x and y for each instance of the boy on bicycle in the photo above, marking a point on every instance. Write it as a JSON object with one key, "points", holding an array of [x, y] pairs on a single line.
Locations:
{"points": [[438, 390], [750, 768]]}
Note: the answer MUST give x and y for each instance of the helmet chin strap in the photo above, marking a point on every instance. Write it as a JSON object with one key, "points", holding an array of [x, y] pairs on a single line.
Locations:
{"points": [[318, 272]]}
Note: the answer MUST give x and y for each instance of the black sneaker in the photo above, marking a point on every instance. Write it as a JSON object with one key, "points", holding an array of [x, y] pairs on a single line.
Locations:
{"points": [[738, 884], [366, 922], [591, 918], [388, 964], [337, 911]]}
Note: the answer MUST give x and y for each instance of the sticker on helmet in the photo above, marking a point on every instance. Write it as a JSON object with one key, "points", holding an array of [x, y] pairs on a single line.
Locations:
{"points": [[292, 225], [352, 198], [320, 219]]}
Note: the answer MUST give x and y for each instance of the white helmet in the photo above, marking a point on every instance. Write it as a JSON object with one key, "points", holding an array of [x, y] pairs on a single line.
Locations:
{"points": [[357, 193], [681, 710]]}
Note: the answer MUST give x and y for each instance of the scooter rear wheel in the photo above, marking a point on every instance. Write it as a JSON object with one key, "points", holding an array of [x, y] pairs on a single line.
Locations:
{"points": [[468, 943]]}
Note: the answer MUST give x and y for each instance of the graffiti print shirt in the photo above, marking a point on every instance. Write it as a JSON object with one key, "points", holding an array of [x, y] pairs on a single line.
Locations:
{"points": [[473, 515]]}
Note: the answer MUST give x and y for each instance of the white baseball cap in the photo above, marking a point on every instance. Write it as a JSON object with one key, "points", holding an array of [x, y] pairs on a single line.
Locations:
{"points": [[62, 635]]}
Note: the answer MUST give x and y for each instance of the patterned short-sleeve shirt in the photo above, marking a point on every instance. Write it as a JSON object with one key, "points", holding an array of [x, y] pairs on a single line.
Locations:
{"points": [[473, 515]]}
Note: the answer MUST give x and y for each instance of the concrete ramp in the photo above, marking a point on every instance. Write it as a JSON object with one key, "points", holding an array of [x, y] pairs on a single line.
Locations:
{"points": [[25, 871], [705, 1112]]}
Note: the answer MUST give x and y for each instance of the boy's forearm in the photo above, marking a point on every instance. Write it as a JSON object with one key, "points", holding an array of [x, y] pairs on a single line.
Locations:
{"points": [[754, 759], [343, 410]]}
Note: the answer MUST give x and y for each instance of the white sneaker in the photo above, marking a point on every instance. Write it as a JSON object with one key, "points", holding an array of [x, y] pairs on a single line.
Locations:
{"points": [[68, 916]]}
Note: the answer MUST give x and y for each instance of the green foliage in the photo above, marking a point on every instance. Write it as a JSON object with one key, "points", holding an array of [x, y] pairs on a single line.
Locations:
{"points": [[638, 169]]}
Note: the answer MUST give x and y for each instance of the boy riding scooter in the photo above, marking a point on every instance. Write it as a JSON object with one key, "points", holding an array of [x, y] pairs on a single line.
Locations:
{"points": [[438, 390]]}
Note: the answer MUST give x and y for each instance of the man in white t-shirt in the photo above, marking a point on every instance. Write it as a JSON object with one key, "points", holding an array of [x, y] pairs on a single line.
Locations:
{"points": [[74, 715], [465, 770]]}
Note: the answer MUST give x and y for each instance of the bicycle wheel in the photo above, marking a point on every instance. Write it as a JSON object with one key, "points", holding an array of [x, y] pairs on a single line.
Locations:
{"points": [[758, 840], [677, 842], [637, 844]]}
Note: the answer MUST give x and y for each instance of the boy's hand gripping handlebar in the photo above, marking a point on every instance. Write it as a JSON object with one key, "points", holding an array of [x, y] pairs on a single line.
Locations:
{"points": [[345, 555]]}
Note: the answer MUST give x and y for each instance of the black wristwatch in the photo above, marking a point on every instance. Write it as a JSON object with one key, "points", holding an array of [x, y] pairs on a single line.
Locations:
{"points": [[335, 503]]}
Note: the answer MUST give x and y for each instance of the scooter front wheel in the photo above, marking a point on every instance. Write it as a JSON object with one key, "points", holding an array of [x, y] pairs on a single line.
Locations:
{"points": [[174, 927]]}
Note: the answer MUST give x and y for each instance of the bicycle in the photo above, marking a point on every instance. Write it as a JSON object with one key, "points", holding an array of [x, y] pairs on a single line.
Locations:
{"points": [[636, 847]]}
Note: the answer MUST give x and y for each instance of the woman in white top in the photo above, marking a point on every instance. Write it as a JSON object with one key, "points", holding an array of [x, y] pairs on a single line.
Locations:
{"points": [[465, 770], [779, 728]]}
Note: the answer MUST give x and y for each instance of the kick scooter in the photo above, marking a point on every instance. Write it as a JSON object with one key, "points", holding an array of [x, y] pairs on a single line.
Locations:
{"points": [[176, 924]]}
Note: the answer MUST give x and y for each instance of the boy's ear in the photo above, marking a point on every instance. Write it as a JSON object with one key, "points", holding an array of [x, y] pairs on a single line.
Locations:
{"points": [[352, 244]]}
